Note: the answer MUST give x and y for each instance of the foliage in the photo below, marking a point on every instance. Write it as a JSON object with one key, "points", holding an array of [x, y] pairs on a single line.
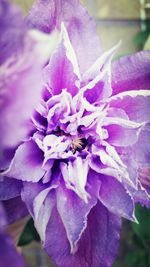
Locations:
{"points": [[135, 247], [29, 234], [141, 37]]}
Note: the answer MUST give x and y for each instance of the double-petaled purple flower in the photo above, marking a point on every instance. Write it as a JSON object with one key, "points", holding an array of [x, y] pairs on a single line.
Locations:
{"points": [[84, 163]]}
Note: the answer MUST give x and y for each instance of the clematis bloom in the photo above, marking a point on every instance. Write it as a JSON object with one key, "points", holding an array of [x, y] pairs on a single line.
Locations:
{"points": [[82, 166]]}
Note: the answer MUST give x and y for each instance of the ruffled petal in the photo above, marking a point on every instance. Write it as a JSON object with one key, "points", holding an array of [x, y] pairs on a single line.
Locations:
{"points": [[74, 178], [73, 212], [110, 163], [122, 136], [136, 104], [121, 130], [138, 155], [141, 195], [98, 245], [40, 201], [141, 149], [43, 210], [144, 178], [98, 77], [131, 72], [27, 163], [115, 197], [46, 15], [62, 72]]}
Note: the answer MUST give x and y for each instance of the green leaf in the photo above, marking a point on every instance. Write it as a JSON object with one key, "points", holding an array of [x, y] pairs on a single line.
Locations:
{"points": [[131, 259], [29, 234], [143, 228], [135, 241], [136, 258], [140, 39]]}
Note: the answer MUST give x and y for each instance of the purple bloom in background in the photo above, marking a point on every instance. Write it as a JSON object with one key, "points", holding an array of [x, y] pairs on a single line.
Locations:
{"points": [[85, 162], [20, 87], [8, 253]]}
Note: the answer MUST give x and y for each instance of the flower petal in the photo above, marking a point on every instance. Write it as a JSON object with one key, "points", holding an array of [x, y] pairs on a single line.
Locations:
{"points": [[73, 212], [99, 77], [142, 148], [42, 207], [122, 131], [138, 162], [62, 71], [136, 104], [9, 188], [12, 33], [40, 201], [28, 197], [27, 163], [131, 72], [138, 155], [15, 209], [21, 80], [3, 217], [116, 199], [43, 218], [97, 247], [46, 15], [141, 196], [74, 178], [8, 253]]}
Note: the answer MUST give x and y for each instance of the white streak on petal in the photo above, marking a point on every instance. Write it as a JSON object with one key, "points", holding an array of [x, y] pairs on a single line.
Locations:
{"points": [[70, 51], [113, 153], [129, 93], [38, 201], [75, 176], [122, 122], [105, 58]]}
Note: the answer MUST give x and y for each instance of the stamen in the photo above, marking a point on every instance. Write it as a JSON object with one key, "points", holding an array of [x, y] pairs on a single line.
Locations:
{"points": [[78, 144]]}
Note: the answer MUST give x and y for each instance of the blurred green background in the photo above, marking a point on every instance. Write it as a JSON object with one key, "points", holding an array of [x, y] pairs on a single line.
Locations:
{"points": [[126, 20], [116, 20]]}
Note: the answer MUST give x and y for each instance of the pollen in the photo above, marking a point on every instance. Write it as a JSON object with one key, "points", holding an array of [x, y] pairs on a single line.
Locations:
{"points": [[78, 144]]}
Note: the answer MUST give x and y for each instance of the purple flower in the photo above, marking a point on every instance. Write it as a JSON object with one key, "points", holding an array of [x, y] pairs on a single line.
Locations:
{"points": [[21, 66], [82, 166], [8, 253], [21, 77]]}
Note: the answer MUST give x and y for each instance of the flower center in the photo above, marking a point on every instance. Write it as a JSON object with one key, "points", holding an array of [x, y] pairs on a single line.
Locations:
{"points": [[58, 132], [78, 144]]}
